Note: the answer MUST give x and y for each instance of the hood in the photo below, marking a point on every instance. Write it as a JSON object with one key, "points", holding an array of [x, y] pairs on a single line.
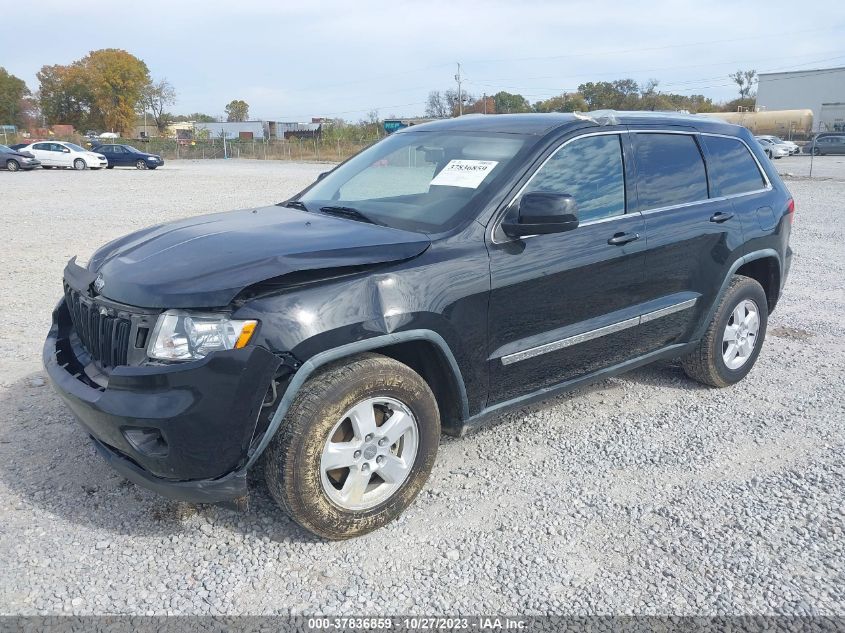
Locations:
{"points": [[206, 261]]}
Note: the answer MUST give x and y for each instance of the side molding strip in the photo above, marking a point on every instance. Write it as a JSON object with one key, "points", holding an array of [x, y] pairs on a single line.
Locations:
{"points": [[569, 341]]}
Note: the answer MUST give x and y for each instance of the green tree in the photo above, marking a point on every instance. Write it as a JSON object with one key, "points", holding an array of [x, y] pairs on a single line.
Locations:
{"points": [[64, 95], [13, 96], [507, 102], [745, 80], [566, 102], [237, 110]]}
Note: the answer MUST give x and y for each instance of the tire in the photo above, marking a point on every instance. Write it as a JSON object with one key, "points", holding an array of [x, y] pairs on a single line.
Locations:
{"points": [[322, 414], [708, 362], [80, 165], [141, 164], [12, 165], [109, 166], [817, 151], [46, 167]]}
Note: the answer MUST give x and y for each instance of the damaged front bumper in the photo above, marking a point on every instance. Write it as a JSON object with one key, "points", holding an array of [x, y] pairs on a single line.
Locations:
{"points": [[182, 430]]}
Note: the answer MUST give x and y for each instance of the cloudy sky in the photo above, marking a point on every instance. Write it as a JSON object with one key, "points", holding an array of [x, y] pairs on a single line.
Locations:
{"points": [[294, 60]]}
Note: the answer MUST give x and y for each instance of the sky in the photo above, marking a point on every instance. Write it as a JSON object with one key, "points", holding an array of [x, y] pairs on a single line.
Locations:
{"points": [[291, 61]]}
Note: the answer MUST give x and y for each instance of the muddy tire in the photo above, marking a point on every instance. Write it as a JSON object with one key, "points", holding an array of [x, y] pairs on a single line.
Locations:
{"points": [[355, 448], [733, 340]]}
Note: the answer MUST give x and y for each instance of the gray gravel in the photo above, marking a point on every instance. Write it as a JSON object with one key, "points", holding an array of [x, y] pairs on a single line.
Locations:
{"points": [[643, 494]]}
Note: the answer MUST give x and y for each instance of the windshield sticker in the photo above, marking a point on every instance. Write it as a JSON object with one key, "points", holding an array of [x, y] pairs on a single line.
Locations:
{"points": [[464, 173]]}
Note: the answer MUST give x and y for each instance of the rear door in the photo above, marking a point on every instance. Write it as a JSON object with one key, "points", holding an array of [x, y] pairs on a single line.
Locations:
{"points": [[42, 152], [692, 232], [566, 305]]}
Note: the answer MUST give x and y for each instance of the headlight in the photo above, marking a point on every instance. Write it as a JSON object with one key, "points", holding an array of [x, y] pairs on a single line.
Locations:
{"points": [[182, 335]]}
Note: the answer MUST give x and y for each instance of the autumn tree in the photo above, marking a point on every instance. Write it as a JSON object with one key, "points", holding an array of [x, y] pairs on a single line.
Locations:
{"points": [[102, 90], [155, 97], [566, 102], [14, 99], [237, 110]]}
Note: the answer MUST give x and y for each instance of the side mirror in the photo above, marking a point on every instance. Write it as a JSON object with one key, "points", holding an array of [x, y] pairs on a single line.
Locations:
{"points": [[323, 175], [541, 213]]}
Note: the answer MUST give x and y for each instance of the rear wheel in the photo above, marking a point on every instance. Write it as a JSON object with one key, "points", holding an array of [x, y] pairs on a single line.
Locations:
{"points": [[109, 166], [79, 164], [141, 164], [12, 165], [355, 448], [817, 151], [732, 342]]}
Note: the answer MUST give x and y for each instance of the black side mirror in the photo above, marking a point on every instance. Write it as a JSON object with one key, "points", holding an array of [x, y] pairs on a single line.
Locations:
{"points": [[322, 175], [541, 213]]}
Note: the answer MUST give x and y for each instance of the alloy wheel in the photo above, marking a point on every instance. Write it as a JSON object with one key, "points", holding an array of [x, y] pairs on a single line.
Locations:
{"points": [[12, 165], [369, 453], [79, 164], [141, 164], [740, 335]]}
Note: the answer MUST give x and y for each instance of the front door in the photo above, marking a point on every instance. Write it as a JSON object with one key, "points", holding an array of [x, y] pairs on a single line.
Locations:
{"points": [[565, 305]]}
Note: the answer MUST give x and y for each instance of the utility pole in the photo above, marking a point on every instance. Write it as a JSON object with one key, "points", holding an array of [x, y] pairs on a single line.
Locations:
{"points": [[485, 103], [460, 99]]}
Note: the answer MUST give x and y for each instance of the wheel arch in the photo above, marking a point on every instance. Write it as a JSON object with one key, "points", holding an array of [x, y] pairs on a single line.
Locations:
{"points": [[746, 261], [407, 347]]}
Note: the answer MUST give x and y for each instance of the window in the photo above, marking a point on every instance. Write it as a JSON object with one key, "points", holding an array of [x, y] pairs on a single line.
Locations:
{"points": [[45, 147], [732, 167], [670, 170], [590, 169], [419, 181]]}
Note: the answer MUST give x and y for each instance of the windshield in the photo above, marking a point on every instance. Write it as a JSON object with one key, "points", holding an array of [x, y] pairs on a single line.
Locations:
{"points": [[131, 149], [75, 148], [419, 181]]}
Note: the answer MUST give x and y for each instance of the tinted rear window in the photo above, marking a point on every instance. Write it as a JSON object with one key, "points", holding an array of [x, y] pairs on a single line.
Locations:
{"points": [[670, 169], [732, 168]]}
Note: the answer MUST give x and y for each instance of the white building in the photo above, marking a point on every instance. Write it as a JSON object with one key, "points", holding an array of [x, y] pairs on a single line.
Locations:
{"points": [[821, 90]]}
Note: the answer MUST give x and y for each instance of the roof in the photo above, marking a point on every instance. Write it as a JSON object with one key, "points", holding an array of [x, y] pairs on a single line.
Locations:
{"points": [[809, 71], [540, 124]]}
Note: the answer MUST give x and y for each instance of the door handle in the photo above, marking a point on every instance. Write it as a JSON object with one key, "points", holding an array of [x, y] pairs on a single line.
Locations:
{"points": [[623, 238], [720, 217]]}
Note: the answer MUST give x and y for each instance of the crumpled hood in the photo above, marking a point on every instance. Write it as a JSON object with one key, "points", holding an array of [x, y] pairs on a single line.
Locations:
{"points": [[206, 261]]}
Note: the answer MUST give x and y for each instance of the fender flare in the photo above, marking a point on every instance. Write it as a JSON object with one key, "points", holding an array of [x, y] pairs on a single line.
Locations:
{"points": [[748, 257], [318, 360]]}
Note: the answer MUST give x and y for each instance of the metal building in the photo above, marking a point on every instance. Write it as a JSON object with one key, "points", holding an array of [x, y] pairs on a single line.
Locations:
{"points": [[235, 129], [821, 90]]}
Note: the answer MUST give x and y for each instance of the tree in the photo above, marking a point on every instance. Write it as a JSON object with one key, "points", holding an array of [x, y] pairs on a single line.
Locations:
{"points": [[14, 102], [507, 102], [566, 102], [745, 80], [436, 106], [619, 94], [101, 91], [155, 98], [237, 110]]}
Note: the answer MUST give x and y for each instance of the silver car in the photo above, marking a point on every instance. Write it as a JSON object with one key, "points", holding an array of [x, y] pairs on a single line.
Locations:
{"points": [[793, 147], [772, 149]]}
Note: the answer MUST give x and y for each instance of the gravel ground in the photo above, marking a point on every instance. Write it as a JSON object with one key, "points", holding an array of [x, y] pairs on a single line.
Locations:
{"points": [[644, 494]]}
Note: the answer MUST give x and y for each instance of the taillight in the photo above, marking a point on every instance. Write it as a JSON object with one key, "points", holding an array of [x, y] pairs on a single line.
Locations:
{"points": [[790, 210]]}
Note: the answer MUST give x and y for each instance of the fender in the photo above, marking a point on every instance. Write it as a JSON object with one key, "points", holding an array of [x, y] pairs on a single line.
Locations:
{"points": [[344, 351], [748, 257]]}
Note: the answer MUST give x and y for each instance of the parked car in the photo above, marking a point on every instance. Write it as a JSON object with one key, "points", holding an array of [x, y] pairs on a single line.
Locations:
{"points": [[128, 156], [772, 149], [61, 154], [19, 146], [791, 146], [444, 275], [828, 144], [14, 160]]}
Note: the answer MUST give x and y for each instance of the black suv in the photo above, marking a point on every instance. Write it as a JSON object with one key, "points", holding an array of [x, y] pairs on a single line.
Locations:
{"points": [[451, 271]]}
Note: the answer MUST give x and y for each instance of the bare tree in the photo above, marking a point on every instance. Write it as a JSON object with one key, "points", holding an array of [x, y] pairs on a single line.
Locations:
{"points": [[436, 106], [155, 97], [745, 79]]}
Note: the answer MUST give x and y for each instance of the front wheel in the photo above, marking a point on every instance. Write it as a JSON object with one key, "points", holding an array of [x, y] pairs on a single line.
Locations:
{"points": [[12, 165], [355, 448], [79, 164], [141, 164], [732, 342]]}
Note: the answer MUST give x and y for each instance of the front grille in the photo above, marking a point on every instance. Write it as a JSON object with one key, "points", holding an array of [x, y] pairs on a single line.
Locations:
{"points": [[103, 336]]}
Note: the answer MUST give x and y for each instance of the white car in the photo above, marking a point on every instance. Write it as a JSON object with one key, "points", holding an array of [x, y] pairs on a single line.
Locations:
{"points": [[772, 149], [792, 147], [61, 154]]}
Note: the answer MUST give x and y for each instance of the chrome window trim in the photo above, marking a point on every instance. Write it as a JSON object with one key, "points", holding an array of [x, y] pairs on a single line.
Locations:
{"points": [[498, 222], [569, 341]]}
